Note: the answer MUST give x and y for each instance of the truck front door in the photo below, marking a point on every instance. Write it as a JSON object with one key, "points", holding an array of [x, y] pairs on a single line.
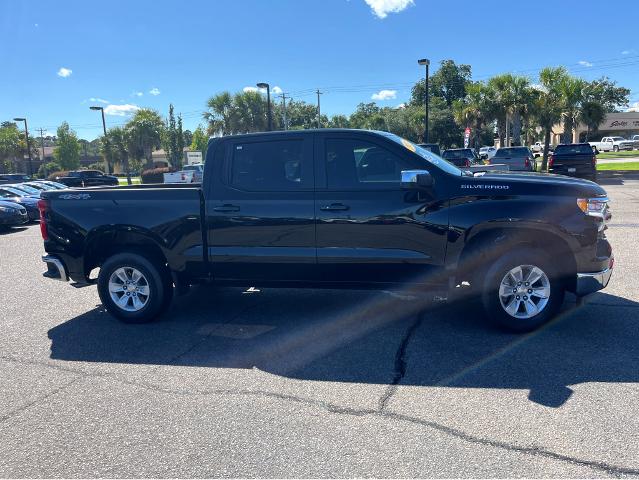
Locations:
{"points": [[260, 209], [368, 228]]}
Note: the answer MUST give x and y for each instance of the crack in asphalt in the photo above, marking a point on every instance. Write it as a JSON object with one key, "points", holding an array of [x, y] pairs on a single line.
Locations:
{"points": [[400, 364], [41, 398], [399, 372]]}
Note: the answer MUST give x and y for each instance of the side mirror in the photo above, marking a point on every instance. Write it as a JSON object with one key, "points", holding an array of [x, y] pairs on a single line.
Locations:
{"points": [[416, 179]]}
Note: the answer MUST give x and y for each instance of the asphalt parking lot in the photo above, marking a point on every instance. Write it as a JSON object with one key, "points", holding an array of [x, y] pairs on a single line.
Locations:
{"points": [[285, 383]]}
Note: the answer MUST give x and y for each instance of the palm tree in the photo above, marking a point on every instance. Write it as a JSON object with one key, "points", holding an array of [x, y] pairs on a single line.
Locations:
{"points": [[591, 114], [221, 117], [571, 89], [548, 103], [144, 133], [118, 141]]}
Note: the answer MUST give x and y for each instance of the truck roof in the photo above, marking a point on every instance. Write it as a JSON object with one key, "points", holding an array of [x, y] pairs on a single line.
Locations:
{"points": [[308, 131]]}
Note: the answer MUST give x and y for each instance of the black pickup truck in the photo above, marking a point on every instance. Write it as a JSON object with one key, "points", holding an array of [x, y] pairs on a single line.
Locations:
{"points": [[87, 178], [339, 209], [575, 160]]}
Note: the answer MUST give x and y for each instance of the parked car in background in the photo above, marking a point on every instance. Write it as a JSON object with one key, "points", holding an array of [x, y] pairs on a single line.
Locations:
{"points": [[461, 157], [517, 158], [179, 177], [611, 144], [12, 214], [575, 160], [14, 177], [30, 203], [635, 142], [39, 185], [431, 147], [87, 178], [29, 191], [537, 147], [486, 153], [198, 171]]}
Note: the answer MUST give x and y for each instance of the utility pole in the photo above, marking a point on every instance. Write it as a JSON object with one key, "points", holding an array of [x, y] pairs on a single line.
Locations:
{"points": [[283, 97], [42, 145], [425, 62], [319, 112]]}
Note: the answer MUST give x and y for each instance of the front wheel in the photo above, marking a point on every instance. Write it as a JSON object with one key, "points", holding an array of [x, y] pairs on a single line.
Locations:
{"points": [[521, 290], [615, 148], [133, 288]]}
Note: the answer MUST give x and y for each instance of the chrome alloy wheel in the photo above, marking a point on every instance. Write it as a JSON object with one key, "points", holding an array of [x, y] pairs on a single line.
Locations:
{"points": [[129, 289], [524, 291]]}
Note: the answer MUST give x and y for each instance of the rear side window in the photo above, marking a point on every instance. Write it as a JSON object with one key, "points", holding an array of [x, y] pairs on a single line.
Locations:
{"points": [[513, 152], [568, 149], [271, 166], [458, 154]]}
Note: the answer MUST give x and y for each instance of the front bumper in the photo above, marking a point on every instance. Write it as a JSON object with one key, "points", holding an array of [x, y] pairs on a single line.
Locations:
{"points": [[592, 282], [14, 218]]}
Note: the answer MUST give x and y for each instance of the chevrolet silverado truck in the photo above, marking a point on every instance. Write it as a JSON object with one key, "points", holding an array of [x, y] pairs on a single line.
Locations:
{"points": [[339, 209], [611, 144]]}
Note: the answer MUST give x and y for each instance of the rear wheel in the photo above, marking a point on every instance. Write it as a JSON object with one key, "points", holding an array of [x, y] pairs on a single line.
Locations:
{"points": [[133, 288], [521, 290]]}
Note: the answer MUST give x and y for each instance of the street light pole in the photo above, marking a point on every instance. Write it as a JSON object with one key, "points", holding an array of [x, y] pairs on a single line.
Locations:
{"points": [[26, 134], [106, 140], [268, 104], [425, 62]]}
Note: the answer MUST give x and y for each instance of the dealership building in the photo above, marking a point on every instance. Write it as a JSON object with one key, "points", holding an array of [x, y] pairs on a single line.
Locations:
{"points": [[618, 124]]}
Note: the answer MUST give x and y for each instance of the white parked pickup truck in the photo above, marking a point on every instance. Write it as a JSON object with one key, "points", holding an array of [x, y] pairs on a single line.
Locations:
{"points": [[611, 144], [180, 177]]}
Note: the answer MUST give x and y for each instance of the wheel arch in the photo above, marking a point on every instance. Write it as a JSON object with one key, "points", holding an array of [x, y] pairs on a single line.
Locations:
{"points": [[486, 243]]}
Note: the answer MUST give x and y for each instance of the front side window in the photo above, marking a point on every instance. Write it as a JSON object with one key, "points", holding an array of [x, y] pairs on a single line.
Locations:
{"points": [[352, 163], [270, 166]]}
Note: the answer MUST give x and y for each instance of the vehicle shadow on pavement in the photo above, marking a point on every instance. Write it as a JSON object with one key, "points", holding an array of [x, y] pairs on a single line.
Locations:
{"points": [[615, 177], [337, 336]]}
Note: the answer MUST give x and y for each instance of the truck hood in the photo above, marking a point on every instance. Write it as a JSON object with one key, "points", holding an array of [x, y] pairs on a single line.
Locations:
{"points": [[540, 182]]}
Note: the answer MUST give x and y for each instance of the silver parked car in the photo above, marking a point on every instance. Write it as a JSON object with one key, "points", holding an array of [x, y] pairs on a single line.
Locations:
{"points": [[517, 158]]}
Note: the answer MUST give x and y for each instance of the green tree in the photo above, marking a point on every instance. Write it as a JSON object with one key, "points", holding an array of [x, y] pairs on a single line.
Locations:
{"points": [[144, 133], [591, 114], [200, 141], [119, 142], [301, 115], [571, 89], [180, 140], [338, 121], [474, 111], [48, 168], [171, 139], [67, 151], [549, 103], [10, 146], [448, 82], [187, 137], [606, 92]]}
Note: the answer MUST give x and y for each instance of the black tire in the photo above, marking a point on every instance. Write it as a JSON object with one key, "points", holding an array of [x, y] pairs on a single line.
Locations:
{"points": [[497, 271], [160, 289], [615, 148]]}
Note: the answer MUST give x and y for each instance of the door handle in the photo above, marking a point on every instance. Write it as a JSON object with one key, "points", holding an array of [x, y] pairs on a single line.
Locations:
{"points": [[226, 208], [334, 207]]}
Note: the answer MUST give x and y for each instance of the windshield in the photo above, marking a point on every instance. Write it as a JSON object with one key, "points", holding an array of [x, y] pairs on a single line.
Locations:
{"points": [[427, 155], [573, 149], [11, 192], [618, 138]]}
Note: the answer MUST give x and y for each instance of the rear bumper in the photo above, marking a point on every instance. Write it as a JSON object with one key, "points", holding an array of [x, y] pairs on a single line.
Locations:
{"points": [[592, 282], [55, 268]]}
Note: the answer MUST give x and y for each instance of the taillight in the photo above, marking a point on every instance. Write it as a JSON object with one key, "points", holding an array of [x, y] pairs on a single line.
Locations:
{"points": [[43, 207], [527, 162], [467, 163], [594, 160], [551, 160]]}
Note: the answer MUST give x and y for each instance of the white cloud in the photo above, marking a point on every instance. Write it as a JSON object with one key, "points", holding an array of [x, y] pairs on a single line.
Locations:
{"points": [[137, 94], [384, 95], [121, 110], [584, 63], [154, 91], [381, 8], [250, 89], [276, 90], [64, 72], [401, 105], [99, 100], [626, 52], [633, 108]]}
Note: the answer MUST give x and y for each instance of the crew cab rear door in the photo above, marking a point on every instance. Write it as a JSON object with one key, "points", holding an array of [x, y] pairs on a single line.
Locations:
{"points": [[369, 230], [260, 208]]}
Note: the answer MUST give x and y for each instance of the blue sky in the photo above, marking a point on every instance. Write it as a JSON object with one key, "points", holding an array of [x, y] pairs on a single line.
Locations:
{"points": [[58, 58]]}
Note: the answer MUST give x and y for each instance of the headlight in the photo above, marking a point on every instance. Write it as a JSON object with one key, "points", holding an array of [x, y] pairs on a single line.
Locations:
{"points": [[596, 207], [6, 209]]}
